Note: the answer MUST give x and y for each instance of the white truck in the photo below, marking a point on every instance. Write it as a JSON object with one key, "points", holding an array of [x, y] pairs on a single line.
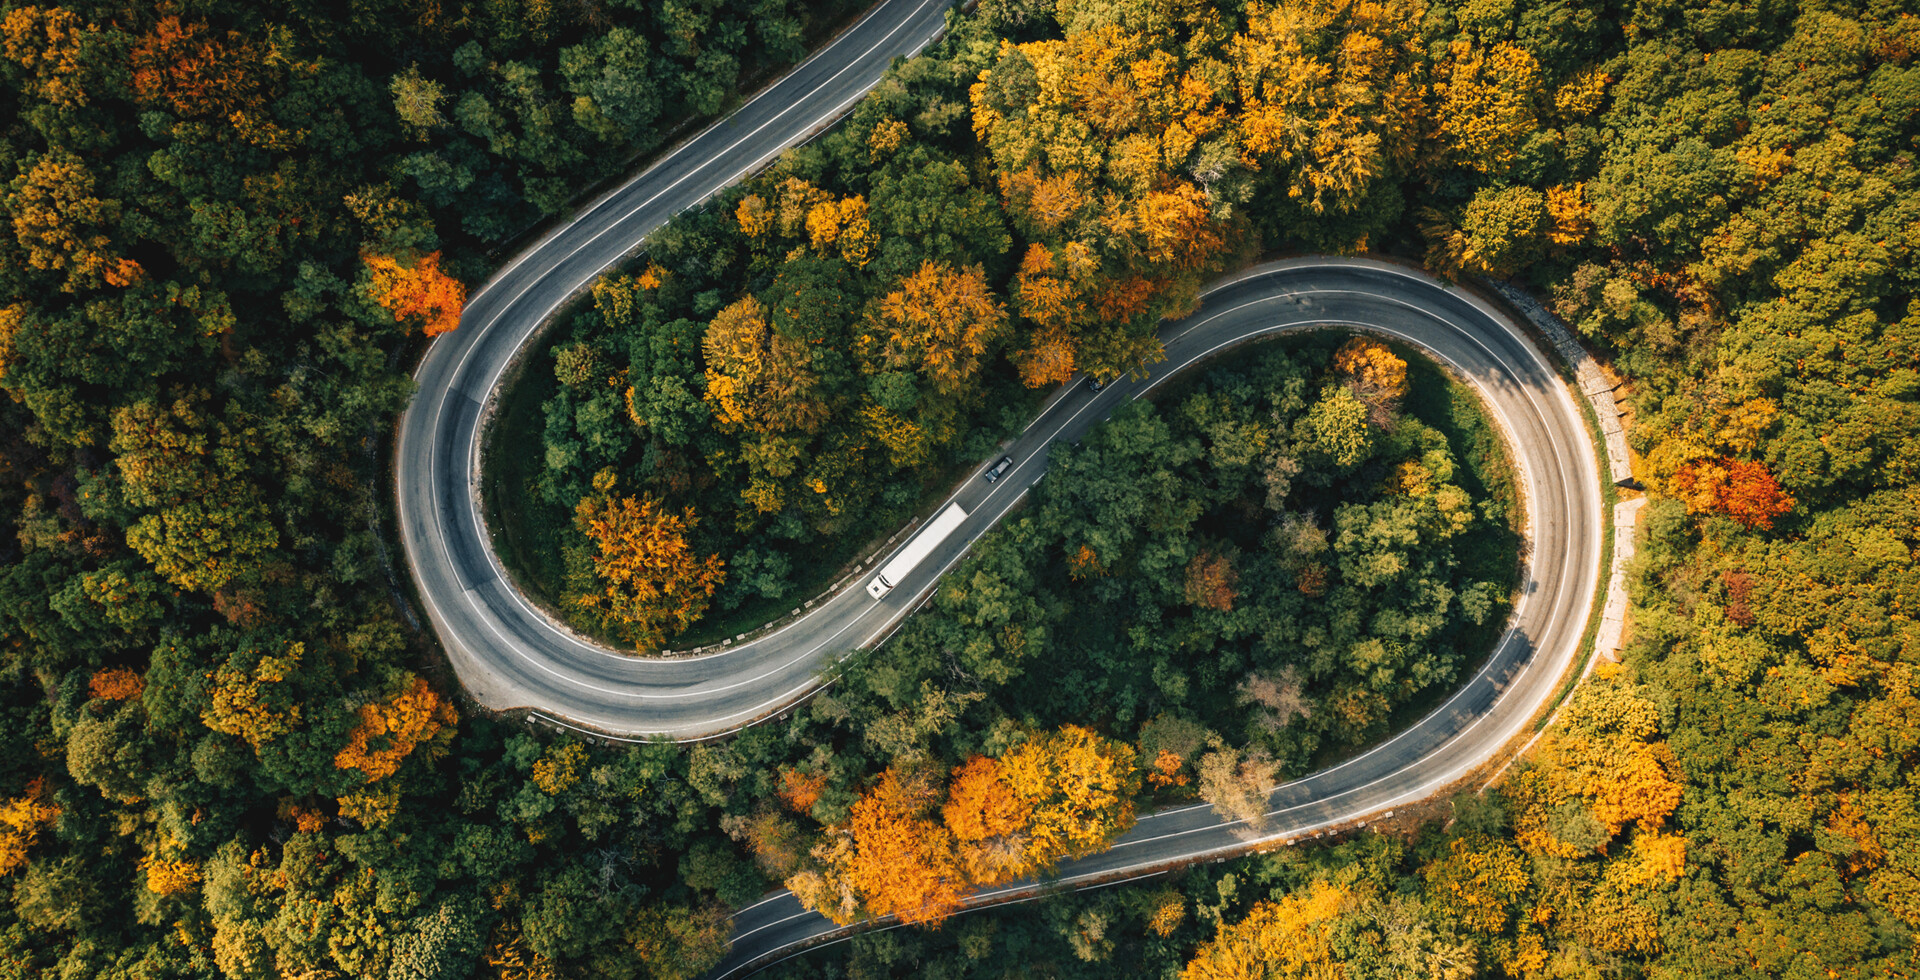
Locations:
{"points": [[916, 550]]}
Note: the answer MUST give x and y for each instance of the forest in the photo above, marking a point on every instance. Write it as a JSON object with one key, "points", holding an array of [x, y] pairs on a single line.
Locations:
{"points": [[1489, 891], [230, 749]]}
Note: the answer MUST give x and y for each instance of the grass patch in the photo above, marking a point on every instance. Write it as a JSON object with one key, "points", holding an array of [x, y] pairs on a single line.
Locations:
{"points": [[527, 532], [1490, 551]]}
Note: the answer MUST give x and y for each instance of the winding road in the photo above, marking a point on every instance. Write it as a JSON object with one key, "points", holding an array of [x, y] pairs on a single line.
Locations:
{"points": [[508, 654]]}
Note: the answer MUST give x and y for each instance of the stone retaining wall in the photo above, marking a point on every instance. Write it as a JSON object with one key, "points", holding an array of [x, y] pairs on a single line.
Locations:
{"points": [[1613, 616], [1591, 381]]}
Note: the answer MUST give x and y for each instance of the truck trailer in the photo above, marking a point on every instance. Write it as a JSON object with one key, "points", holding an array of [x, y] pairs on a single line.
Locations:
{"points": [[917, 549]]}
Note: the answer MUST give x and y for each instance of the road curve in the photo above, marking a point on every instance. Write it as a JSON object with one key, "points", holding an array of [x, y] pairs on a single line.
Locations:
{"points": [[1546, 433], [508, 654]]}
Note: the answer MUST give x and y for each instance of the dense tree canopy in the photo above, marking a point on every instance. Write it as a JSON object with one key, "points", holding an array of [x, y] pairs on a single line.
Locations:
{"points": [[224, 224], [1720, 198], [229, 750]]}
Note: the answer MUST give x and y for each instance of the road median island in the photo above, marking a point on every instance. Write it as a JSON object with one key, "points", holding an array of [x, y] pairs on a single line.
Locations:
{"points": [[1210, 840]]}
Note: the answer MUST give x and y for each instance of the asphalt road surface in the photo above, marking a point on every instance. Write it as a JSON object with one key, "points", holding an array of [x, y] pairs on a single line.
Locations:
{"points": [[508, 654], [1547, 435]]}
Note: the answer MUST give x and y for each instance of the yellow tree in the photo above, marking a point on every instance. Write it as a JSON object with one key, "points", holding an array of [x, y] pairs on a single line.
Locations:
{"points": [[1044, 292], [1175, 226], [1375, 375], [904, 863], [52, 44], [799, 790], [1102, 142], [20, 821], [890, 857], [1284, 939], [250, 697], [1606, 762], [1479, 882], [757, 379], [1327, 93], [842, 227], [907, 442], [1080, 787], [1571, 212], [1372, 367], [1082, 318], [653, 583], [1487, 104], [62, 224], [940, 321]]}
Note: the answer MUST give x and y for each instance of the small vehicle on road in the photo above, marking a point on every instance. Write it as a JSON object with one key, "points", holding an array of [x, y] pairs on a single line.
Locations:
{"points": [[1094, 383], [1000, 469]]}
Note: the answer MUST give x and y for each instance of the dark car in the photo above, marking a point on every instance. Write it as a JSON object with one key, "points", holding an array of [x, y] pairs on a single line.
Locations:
{"points": [[1094, 383], [1005, 464]]}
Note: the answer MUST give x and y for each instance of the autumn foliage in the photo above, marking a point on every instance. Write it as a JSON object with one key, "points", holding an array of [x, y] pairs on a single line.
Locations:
{"points": [[1744, 490], [1123, 151], [1085, 563], [941, 322], [252, 695], [1211, 582], [988, 821], [1372, 370], [1605, 761], [169, 876], [21, 819], [388, 732], [1479, 882], [61, 222], [1168, 770], [50, 43], [1058, 795], [652, 582], [417, 291], [1287, 938], [195, 70], [893, 855], [799, 790], [759, 380], [115, 684]]}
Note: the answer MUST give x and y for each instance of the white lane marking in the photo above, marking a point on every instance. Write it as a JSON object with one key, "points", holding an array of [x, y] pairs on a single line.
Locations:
{"points": [[1444, 320], [440, 403], [533, 323], [1424, 786], [609, 197]]}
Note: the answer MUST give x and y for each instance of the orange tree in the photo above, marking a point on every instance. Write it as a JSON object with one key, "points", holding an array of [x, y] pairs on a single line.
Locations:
{"points": [[417, 291], [652, 582]]}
